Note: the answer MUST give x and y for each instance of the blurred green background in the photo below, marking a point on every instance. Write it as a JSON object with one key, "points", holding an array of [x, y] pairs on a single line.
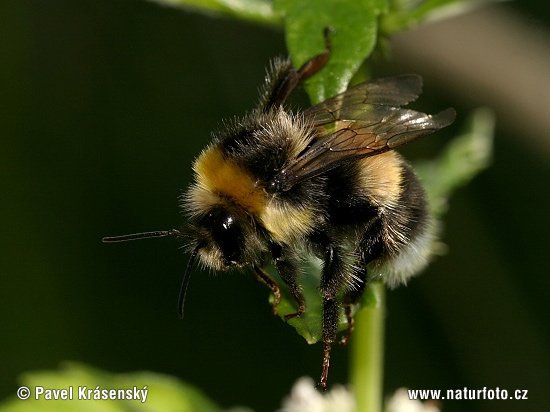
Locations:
{"points": [[104, 105]]}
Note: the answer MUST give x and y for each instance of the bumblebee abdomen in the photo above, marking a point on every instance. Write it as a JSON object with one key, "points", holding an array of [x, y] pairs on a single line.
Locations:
{"points": [[360, 191], [379, 205]]}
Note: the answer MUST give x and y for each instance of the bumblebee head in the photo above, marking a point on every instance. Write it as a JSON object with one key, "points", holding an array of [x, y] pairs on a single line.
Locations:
{"points": [[226, 233], [225, 237]]}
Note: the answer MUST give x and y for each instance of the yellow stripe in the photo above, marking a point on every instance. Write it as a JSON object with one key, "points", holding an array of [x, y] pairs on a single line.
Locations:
{"points": [[226, 178], [219, 178], [287, 224]]}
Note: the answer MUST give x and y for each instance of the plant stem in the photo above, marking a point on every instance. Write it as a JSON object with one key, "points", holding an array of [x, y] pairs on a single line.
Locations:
{"points": [[367, 351]]}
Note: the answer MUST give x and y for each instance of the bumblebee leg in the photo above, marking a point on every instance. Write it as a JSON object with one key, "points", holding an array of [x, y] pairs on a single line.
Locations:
{"points": [[330, 327], [271, 284], [371, 247], [287, 266], [331, 284], [351, 298], [316, 63], [294, 77]]}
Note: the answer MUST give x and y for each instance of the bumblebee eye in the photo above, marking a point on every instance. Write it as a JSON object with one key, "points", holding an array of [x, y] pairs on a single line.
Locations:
{"points": [[227, 232]]}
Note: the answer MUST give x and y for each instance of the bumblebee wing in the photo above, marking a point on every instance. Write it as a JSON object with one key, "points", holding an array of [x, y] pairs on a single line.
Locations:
{"points": [[363, 121], [387, 91]]}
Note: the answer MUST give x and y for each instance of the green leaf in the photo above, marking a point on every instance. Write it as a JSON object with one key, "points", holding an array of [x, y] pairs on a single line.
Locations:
{"points": [[258, 11], [164, 393], [355, 25], [309, 325]]}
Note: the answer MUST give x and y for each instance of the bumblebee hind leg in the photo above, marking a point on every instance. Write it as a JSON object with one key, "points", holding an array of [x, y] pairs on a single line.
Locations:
{"points": [[371, 246], [351, 298], [332, 282], [291, 78]]}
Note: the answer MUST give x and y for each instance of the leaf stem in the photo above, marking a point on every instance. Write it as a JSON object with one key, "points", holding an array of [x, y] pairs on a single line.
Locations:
{"points": [[367, 351]]}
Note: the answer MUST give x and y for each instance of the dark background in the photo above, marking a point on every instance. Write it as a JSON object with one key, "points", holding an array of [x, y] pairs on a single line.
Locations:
{"points": [[104, 105]]}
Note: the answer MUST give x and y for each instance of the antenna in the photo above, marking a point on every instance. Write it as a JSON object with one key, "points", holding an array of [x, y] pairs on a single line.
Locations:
{"points": [[162, 233], [142, 235], [185, 281]]}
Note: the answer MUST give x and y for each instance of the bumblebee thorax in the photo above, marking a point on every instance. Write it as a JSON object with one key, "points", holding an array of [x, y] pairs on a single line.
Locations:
{"points": [[226, 180]]}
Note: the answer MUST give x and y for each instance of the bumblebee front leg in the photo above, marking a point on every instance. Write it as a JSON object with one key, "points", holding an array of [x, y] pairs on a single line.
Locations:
{"points": [[287, 266], [265, 278]]}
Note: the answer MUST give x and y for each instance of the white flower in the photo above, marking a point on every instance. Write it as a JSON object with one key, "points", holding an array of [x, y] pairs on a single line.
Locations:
{"points": [[305, 398]]}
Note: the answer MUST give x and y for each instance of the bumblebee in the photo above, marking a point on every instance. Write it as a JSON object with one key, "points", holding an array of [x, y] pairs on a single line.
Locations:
{"points": [[322, 182]]}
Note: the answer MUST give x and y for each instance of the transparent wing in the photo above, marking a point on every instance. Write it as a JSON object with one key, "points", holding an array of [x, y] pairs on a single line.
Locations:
{"points": [[363, 121], [387, 91]]}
